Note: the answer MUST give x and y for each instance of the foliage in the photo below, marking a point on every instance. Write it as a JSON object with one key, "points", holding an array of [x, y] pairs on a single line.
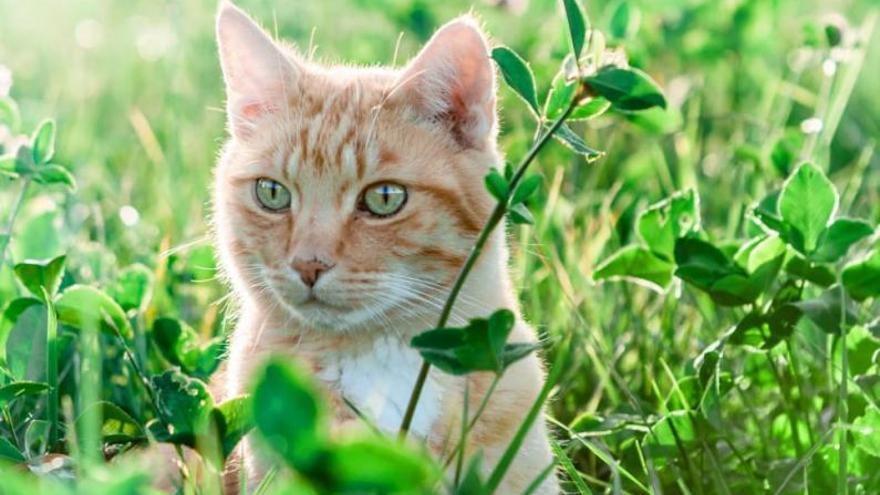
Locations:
{"points": [[738, 205]]}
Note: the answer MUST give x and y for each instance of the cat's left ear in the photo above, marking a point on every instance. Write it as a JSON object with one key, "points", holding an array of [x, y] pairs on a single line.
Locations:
{"points": [[257, 72], [452, 81]]}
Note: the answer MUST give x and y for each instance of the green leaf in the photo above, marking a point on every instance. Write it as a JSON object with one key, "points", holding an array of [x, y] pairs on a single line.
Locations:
{"points": [[117, 425], [38, 274], [234, 420], [835, 241], [527, 188], [184, 408], [674, 427], [52, 173], [36, 438], [379, 465], [289, 415], [709, 269], [824, 311], [664, 222], [517, 74], [866, 430], [862, 278], [785, 151], [520, 215], [9, 114], [480, 346], [25, 346], [624, 20], [9, 453], [43, 142], [560, 96], [133, 288], [572, 141], [636, 264], [577, 26], [83, 307], [807, 202], [627, 89], [14, 390], [497, 185], [818, 274], [181, 346]]}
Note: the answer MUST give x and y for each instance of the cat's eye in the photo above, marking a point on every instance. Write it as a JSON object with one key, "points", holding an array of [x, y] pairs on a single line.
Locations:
{"points": [[384, 199], [271, 195]]}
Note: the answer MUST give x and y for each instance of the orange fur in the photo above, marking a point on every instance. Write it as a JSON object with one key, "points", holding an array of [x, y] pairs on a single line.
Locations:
{"points": [[325, 134]]}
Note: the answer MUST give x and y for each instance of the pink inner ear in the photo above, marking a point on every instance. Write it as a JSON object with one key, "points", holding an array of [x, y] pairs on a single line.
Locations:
{"points": [[252, 110]]}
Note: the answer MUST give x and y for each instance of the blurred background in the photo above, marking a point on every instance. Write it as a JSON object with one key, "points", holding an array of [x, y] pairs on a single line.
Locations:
{"points": [[136, 89]]}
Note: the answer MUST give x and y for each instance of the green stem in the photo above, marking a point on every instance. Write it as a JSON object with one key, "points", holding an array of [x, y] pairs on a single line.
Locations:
{"points": [[473, 421], [10, 223], [843, 412], [52, 367], [494, 219]]}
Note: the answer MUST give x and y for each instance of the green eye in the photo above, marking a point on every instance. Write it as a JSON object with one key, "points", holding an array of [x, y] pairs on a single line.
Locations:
{"points": [[384, 199], [271, 195]]}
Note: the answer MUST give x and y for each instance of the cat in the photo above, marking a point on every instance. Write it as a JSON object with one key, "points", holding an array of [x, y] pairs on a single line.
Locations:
{"points": [[346, 201]]}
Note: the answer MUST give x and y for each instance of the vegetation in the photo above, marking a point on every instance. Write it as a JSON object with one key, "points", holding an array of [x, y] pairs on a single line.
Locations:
{"points": [[702, 260]]}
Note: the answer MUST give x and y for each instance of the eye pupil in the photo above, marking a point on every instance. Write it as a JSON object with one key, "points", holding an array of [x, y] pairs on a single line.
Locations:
{"points": [[383, 200], [271, 195]]}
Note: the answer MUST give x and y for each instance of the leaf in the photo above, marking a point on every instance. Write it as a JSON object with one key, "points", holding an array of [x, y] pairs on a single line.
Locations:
{"points": [[118, 426], [807, 202], [624, 20], [82, 307], [36, 438], [517, 74], [572, 141], [817, 274], [52, 173], [662, 438], [43, 142], [10, 316], [577, 26], [866, 430], [862, 278], [184, 407], [289, 415], [627, 89], [133, 288], [180, 345], [664, 222], [527, 188], [706, 267], [520, 215], [786, 150], [379, 465], [480, 346], [637, 264], [38, 274], [234, 420], [834, 242], [25, 349], [9, 453], [824, 311], [9, 114], [497, 185], [560, 96], [14, 390]]}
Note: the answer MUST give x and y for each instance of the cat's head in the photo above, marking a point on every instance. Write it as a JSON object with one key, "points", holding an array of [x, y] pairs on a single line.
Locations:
{"points": [[347, 194]]}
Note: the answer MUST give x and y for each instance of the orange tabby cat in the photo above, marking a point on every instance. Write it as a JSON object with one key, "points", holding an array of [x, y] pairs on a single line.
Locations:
{"points": [[346, 201]]}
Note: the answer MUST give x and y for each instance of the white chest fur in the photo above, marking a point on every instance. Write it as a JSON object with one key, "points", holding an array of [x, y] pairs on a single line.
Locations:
{"points": [[379, 381]]}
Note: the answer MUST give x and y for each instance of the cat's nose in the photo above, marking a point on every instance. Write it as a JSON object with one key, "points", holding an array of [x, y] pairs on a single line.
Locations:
{"points": [[309, 270]]}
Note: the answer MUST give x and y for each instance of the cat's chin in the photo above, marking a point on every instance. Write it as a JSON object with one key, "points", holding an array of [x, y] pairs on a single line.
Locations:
{"points": [[323, 317]]}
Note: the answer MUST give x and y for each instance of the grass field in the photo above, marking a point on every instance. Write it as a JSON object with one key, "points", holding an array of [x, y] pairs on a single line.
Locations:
{"points": [[725, 341]]}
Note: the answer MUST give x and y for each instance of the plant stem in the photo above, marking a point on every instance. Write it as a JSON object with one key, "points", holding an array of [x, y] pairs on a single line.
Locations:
{"points": [[494, 219], [10, 223], [842, 412]]}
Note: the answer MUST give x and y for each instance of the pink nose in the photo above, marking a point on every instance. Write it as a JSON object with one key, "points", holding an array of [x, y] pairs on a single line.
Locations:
{"points": [[310, 270]]}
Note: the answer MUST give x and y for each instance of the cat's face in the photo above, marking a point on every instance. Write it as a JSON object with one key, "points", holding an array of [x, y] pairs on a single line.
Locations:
{"points": [[348, 196]]}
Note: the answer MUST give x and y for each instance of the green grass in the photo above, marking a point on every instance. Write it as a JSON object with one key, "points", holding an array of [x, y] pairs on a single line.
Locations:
{"points": [[657, 396]]}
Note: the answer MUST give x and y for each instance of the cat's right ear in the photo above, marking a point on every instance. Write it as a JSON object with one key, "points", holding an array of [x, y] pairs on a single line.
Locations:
{"points": [[257, 72]]}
